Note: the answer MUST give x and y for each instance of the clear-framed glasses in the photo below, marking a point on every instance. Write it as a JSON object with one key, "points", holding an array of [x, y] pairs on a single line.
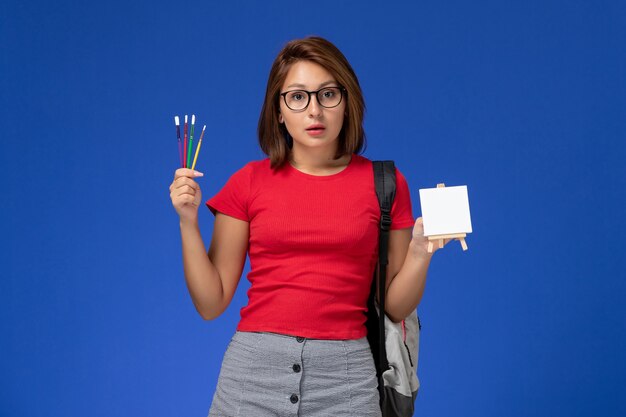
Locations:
{"points": [[328, 97]]}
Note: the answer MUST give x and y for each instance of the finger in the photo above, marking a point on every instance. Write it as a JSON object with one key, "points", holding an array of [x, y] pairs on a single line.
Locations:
{"points": [[182, 195], [184, 199], [182, 181], [418, 233], [185, 189], [188, 189], [418, 227], [187, 172]]}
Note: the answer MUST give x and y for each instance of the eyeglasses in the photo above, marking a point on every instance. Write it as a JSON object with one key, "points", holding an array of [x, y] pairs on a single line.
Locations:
{"points": [[328, 97]]}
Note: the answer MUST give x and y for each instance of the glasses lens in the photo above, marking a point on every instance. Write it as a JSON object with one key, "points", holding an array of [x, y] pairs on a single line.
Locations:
{"points": [[329, 97], [297, 100]]}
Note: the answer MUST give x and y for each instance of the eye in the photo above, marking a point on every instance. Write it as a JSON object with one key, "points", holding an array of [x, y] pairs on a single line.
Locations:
{"points": [[329, 93], [296, 96]]}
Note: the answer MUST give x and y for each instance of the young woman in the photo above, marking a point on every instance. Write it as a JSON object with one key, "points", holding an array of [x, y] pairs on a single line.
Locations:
{"points": [[307, 216]]}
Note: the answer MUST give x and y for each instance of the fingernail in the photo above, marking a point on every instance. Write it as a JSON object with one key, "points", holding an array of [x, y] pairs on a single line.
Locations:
{"points": [[198, 174]]}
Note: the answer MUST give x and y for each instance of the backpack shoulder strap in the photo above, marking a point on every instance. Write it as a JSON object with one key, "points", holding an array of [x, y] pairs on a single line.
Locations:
{"points": [[385, 181]]}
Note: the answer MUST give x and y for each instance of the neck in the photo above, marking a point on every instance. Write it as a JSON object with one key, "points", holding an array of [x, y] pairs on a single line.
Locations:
{"points": [[318, 161]]}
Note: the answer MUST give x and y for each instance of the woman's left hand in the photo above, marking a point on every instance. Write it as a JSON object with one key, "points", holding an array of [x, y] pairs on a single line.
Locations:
{"points": [[419, 242]]}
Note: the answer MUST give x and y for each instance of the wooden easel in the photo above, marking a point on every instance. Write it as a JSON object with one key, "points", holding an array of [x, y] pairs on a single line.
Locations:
{"points": [[440, 238]]}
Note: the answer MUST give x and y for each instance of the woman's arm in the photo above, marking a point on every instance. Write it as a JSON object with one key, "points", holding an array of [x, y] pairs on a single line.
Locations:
{"points": [[407, 270], [211, 278]]}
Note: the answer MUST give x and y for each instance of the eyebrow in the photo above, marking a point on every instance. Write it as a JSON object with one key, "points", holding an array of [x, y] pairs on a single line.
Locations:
{"points": [[303, 86]]}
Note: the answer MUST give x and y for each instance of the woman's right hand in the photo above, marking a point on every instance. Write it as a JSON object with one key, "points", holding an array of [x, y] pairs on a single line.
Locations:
{"points": [[185, 193]]}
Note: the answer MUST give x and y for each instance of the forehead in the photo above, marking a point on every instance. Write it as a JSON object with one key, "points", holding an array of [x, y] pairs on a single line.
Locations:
{"points": [[308, 75]]}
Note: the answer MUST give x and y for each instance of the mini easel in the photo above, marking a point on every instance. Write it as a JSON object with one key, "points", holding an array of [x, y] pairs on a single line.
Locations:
{"points": [[440, 238]]}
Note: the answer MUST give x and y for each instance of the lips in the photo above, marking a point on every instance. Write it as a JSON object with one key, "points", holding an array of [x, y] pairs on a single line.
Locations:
{"points": [[315, 130], [316, 127]]}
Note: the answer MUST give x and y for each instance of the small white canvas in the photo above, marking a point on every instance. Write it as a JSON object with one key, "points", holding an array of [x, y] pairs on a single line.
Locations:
{"points": [[445, 210]]}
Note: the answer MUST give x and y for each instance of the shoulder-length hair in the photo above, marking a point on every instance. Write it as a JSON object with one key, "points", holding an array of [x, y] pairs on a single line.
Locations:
{"points": [[273, 134]]}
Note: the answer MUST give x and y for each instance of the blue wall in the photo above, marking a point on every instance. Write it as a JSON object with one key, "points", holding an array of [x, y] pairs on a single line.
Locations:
{"points": [[524, 101]]}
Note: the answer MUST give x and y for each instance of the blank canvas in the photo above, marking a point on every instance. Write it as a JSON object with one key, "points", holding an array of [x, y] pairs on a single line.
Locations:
{"points": [[445, 210]]}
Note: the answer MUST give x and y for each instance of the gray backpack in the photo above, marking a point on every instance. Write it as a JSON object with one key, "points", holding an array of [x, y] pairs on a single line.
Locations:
{"points": [[395, 346]]}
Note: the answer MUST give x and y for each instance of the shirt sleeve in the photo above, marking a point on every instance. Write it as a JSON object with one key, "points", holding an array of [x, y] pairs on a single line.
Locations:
{"points": [[233, 198], [401, 210]]}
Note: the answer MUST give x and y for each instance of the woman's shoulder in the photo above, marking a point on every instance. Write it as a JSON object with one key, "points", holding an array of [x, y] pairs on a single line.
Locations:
{"points": [[247, 172], [255, 166], [361, 161], [365, 162]]}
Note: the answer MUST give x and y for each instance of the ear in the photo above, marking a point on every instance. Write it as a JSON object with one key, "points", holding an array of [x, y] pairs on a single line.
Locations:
{"points": [[280, 118]]}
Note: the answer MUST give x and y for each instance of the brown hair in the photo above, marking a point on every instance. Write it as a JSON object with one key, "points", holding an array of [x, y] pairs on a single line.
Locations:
{"points": [[272, 134]]}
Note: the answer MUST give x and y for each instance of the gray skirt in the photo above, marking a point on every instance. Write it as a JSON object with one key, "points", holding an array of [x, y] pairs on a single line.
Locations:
{"points": [[268, 374]]}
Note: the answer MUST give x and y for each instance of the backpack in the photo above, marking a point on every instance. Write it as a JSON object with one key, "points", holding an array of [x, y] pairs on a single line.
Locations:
{"points": [[395, 346]]}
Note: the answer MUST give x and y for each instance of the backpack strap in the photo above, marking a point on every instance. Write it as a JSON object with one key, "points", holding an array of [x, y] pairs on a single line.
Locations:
{"points": [[385, 181]]}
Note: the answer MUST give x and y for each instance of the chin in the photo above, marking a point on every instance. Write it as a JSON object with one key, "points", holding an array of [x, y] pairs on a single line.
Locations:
{"points": [[318, 142]]}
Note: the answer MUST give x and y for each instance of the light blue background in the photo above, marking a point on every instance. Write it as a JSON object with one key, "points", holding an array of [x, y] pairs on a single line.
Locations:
{"points": [[524, 101]]}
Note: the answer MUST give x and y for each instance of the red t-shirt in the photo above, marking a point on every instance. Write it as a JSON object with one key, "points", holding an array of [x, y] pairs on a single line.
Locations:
{"points": [[313, 245]]}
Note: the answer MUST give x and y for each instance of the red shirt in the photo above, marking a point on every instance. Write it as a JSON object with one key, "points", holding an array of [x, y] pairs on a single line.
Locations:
{"points": [[313, 245]]}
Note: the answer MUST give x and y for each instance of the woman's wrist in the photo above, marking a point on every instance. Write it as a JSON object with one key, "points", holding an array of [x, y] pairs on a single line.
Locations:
{"points": [[188, 223]]}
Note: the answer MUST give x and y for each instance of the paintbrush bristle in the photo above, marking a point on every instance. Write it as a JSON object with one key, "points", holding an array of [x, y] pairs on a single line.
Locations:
{"points": [[185, 118], [193, 119], [204, 128], [176, 121]]}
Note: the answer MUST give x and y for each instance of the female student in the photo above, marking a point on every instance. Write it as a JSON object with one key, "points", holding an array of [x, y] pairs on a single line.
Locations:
{"points": [[307, 216]]}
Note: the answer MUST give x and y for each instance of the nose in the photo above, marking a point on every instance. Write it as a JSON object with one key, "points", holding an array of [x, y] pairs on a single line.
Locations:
{"points": [[314, 106]]}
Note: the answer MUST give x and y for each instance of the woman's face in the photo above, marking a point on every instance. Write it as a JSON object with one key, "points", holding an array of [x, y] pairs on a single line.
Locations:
{"points": [[309, 76]]}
